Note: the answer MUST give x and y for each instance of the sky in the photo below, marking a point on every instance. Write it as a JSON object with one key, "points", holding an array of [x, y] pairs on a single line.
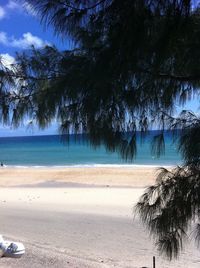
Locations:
{"points": [[19, 29]]}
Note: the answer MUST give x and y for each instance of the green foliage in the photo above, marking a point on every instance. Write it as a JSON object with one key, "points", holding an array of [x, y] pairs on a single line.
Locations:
{"points": [[170, 206], [123, 71], [133, 61]]}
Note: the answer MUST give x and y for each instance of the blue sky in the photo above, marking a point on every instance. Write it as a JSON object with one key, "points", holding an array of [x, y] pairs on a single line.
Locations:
{"points": [[19, 29]]}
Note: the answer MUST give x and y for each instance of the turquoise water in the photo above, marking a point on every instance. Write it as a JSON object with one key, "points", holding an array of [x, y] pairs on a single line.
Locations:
{"points": [[50, 151]]}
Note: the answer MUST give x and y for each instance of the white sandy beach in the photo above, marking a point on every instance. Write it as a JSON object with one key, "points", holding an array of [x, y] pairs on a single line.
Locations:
{"points": [[79, 217]]}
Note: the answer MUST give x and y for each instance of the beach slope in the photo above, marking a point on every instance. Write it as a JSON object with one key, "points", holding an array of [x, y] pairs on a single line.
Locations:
{"points": [[79, 217]]}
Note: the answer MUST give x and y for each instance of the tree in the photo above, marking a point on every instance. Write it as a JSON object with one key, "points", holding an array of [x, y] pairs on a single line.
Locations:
{"points": [[172, 206], [132, 62]]}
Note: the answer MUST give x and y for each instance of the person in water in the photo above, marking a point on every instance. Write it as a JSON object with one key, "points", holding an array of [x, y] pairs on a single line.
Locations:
{"points": [[2, 164]]}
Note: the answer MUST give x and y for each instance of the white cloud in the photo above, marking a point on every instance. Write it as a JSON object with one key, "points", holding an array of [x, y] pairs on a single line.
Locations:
{"points": [[27, 40], [25, 6], [3, 38], [24, 42], [7, 60], [13, 5], [2, 13]]}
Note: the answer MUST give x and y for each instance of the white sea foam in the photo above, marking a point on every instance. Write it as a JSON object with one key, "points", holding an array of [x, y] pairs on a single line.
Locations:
{"points": [[90, 166]]}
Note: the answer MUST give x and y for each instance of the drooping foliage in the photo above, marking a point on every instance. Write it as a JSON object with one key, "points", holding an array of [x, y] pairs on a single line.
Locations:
{"points": [[171, 207], [132, 62]]}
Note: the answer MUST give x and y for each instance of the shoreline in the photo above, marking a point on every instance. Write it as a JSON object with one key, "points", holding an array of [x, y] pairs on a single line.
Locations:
{"points": [[88, 166]]}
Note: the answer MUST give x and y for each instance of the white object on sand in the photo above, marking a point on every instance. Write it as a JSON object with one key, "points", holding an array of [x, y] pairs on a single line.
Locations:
{"points": [[11, 249]]}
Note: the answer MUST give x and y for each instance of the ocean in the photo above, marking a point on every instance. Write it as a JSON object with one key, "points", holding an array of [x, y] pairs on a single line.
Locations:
{"points": [[41, 151]]}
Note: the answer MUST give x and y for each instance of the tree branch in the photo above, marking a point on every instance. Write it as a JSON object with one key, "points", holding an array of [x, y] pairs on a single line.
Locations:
{"points": [[188, 78], [181, 78], [82, 9]]}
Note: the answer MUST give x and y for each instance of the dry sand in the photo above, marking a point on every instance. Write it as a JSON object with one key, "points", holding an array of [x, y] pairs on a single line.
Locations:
{"points": [[79, 217], [94, 176]]}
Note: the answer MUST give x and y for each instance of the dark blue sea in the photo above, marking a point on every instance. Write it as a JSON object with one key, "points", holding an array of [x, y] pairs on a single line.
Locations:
{"points": [[39, 151]]}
